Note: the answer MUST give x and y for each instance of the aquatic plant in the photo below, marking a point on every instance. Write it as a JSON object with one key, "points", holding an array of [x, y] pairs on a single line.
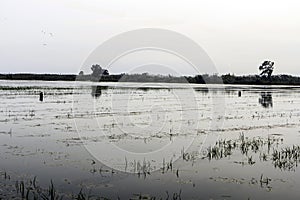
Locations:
{"points": [[285, 159]]}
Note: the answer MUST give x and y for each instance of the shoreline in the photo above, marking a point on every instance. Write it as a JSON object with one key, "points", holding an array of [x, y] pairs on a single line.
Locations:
{"points": [[227, 79]]}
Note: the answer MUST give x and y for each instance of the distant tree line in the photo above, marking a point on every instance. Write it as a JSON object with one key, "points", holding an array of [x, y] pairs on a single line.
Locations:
{"points": [[100, 74], [41, 77], [199, 79], [261, 80]]}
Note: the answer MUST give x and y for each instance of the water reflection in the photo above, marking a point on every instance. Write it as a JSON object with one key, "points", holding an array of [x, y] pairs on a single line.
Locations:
{"points": [[266, 99], [202, 90], [145, 89], [97, 91]]}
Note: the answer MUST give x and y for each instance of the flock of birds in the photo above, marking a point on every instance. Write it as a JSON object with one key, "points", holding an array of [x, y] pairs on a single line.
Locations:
{"points": [[47, 34]]}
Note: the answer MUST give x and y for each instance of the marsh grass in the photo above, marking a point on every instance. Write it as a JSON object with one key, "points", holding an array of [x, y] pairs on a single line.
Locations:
{"points": [[283, 158], [31, 190]]}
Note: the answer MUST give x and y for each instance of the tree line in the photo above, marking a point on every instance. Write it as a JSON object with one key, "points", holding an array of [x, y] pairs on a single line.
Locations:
{"points": [[100, 74]]}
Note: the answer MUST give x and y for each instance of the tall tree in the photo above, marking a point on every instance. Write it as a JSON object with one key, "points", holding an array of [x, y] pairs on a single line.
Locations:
{"points": [[267, 68], [81, 73], [97, 71]]}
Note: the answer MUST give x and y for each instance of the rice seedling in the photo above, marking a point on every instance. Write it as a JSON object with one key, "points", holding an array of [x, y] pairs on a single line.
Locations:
{"points": [[83, 196], [188, 156], [285, 159], [264, 181], [30, 190]]}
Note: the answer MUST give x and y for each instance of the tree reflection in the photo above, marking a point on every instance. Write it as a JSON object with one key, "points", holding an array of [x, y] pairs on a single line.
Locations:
{"points": [[97, 91], [266, 99]]}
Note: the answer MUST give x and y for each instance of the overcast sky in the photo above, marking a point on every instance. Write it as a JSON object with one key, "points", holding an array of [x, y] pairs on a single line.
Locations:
{"points": [[57, 36]]}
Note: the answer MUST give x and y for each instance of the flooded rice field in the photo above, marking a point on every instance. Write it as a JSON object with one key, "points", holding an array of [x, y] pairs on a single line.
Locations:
{"points": [[148, 141]]}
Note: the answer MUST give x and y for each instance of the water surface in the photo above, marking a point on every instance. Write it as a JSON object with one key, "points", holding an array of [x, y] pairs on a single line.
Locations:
{"points": [[194, 141]]}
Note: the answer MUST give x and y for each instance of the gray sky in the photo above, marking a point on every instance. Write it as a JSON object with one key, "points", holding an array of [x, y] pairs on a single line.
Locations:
{"points": [[57, 36]]}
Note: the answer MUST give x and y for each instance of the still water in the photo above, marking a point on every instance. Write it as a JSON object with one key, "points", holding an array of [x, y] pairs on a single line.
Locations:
{"points": [[146, 140]]}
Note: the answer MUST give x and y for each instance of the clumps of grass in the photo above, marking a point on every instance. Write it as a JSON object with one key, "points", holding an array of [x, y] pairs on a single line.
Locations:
{"points": [[142, 169], [83, 196], [167, 166], [218, 152], [250, 161], [287, 158], [5, 175], [188, 156], [262, 181], [173, 196], [31, 190]]}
